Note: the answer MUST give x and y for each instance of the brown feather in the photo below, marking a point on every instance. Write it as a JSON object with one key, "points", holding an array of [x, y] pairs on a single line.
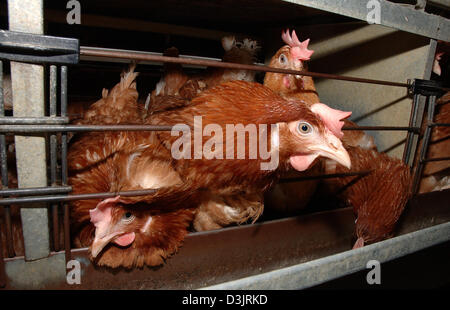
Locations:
{"points": [[378, 198]]}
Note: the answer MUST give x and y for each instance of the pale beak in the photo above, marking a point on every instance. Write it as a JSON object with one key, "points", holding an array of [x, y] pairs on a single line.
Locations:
{"points": [[102, 238], [332, 148]]}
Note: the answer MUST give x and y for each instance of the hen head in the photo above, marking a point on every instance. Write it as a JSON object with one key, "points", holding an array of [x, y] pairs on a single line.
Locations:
{"points": [[291, 57], [304, 133], [131, 236], [243, 52], [308, 138]]}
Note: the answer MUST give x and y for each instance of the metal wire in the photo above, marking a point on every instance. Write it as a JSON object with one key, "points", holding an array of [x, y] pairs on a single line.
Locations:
{"points": [[384, 128], [424, 148], [325, 176], [410, 135], [35, 191], [136, 55], [53, 156], [66, 198], [64, 169], [3, 164], [83, 128], [4, 173], [33, 120]]}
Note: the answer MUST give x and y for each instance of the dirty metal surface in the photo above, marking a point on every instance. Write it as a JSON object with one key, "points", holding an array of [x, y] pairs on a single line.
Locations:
{"points": [[394, 15], [209, 258]]}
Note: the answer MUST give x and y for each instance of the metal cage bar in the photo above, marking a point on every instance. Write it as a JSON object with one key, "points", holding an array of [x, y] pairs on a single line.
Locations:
{"points": [[3, 166], [53, 155], [4, 173], [64, 169], [138, 55], [410, 135], [58, 125]]}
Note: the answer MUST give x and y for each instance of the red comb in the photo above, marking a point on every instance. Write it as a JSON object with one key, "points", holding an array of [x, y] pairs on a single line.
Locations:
{"points": [[331, 117], [299, 50], [103, 210]]}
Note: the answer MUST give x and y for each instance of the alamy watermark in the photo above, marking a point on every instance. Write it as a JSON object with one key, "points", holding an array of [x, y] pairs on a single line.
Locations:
{"points": [[190, 145], [73, 275], [374, 275], [373, 12], [74, 15]]}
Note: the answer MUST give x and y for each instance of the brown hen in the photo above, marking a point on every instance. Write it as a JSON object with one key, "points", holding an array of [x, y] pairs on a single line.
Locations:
{"points": [[378, 198], [115, 161]]}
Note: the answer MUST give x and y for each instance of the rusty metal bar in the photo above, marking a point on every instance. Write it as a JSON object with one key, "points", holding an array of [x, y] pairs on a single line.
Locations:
{"points": [[135, 55], [439, 124], [145, 56], [435, 159]]}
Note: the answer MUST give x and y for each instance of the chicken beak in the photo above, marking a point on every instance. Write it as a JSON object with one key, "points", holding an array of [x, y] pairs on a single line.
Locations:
{"points": [[332, 148], [102, 238]]}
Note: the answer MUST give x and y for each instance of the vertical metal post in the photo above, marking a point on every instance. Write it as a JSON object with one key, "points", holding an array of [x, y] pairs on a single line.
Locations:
{"points": [[426, 140], [410, 135], [28, 101], [4, 173], [2, 265], [3, 167], [64, 171], [53, 156]]}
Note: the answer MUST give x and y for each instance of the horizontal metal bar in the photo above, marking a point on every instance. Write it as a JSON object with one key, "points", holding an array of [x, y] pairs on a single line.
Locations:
{"points": [[35, 191], [393, 15], [323, 176], [435, 159], [124, 60], [384, 128], [218, 256], [321, 270], [33, 120], [36, 48], [439, 125], [92, 51], [84, 128], [62, 198]]}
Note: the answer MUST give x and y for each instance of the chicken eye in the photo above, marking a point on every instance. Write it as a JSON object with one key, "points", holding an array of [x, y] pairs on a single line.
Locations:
{"points": [[304, 128], [128, 216], [282, 59]]}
